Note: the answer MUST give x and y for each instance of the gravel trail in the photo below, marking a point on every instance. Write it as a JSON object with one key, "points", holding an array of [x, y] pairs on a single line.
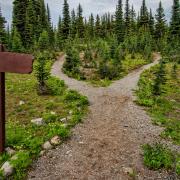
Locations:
{"points": [[108, 143]]}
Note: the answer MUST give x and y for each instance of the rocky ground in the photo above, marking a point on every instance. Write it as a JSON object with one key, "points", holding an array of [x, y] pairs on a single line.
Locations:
{"points": [[107, 145]]}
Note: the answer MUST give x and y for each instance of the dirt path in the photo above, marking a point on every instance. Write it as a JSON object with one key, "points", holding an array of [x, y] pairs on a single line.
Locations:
{"points": [[109, 141]]}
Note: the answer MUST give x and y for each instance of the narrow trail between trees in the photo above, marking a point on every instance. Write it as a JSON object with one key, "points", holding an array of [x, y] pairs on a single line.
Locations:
{"points": [[107, 145]]}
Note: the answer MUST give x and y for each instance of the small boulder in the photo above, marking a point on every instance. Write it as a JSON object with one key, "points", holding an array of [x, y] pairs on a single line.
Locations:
{"points": [[15, 157], [55, 140], [128, 170], [42, 153], [70, 112], [38, 121], [47, 146], [7, 169], [64, 125], [21, 103], [10, 151], [53, 113], [63, 119]]}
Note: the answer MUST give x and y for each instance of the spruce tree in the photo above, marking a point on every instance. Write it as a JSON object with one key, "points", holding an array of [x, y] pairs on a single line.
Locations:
{"points": [[133, 20], [66, 21], [3, 37], [91, 26], [175, 20], [119, 23], [98, 26], [16, 41], [160, 26], [50, 29], [160, 79], [43, 42], [80, 23], [29, 26], [144, 16], [48, 14], [19, 17], [127, 17], [151, 23], [73, 24], [59, 35], [43, 16]]}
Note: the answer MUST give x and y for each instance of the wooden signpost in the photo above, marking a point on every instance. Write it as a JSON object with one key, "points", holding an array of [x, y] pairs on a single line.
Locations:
{"points": [[11, 63]]}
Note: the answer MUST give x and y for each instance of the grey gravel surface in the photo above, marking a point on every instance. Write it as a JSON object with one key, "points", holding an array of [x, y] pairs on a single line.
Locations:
{"points": [[109, 140]]}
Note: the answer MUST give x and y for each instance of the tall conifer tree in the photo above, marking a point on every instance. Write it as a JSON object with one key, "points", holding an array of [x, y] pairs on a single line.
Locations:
{"points": [[3, 37], [119, 23], [80, 23], [144, 16], [127, 17], [19, 17], [175, 20], [66, 21], [160, 26]]}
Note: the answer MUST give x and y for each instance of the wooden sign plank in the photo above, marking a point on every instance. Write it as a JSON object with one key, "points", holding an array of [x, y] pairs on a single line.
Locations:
{"points": [[16, 63]]}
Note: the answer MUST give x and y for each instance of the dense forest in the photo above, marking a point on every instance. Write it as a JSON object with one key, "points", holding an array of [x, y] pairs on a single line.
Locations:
{"points": [[98, 49], [103, 42]]}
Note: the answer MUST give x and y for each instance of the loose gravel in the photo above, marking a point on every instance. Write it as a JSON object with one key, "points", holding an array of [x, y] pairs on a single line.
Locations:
{"points": [[107, 145]]}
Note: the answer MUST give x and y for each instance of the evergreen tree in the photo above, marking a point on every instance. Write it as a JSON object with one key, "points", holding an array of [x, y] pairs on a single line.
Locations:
{"points": [[16, 41], [59, 37], [98, 26], [73, 24], [151, 22], [160, 79], [29, 26], [80, 23], [19, 17], [160, 26], [132, 20], [91, 26], [42, 72], [48, 14], [127, 17], [144, 16], [66, 21], [43, 42], [9, 42], [50, 28], [43, 16], [119, 23], [3, 37], [175, 20]]}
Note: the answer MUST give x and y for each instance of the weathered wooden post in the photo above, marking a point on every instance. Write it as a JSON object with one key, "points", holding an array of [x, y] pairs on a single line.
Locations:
{"points": [[12, 63], [2, 108]]}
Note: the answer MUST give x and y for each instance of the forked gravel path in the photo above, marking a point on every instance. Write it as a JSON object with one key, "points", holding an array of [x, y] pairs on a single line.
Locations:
{"points": [[108, 141]]}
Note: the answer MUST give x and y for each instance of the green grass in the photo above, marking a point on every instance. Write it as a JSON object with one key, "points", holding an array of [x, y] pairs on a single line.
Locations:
{"points": [[158, 156], [164, 109], [27, 138]]}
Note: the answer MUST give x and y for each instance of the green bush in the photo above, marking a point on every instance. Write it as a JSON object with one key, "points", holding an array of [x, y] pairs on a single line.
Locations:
{"points": [[157, 157], [56, 86], [42, 69]]}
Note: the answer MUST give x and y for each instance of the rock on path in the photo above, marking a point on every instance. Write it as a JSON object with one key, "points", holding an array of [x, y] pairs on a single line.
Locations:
{"points": [[108, 141]]}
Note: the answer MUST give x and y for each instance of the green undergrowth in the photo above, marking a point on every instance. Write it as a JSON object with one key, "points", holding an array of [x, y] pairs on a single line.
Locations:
{"points": [[164, 108], [128, 65], [158, 156], [24, 104]]}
